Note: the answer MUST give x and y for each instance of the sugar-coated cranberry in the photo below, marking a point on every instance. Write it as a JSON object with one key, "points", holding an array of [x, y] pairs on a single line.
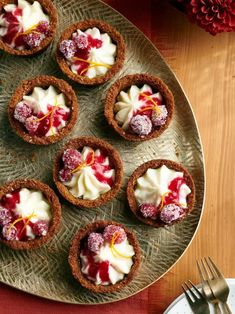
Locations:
{"points": [[112, 231], [22, 112], [40, 228], [71, 158], [68, 48], [171, 213], [5, 216], [81, 41], [159, 119], [31, 124], [148, 210], [94, 241], [141, 125], [65, 175], [9, 232], [33, 39], [43, 27]]}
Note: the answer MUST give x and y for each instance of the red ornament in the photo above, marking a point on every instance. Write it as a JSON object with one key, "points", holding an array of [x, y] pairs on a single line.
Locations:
{"points": [[215, 16]]}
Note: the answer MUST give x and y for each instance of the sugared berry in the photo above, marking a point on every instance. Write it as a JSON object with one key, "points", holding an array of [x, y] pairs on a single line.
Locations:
{"points": [[71, 158], [148, 210], [141, 125], [94, 241], [5, 216], [43, 27], [159, 119], [31, 124], [171, 212], [65, 175], [22, 112], [80, 40], [112, 231], [40, 228], [9, 232], [68, 48], [33, 39]]}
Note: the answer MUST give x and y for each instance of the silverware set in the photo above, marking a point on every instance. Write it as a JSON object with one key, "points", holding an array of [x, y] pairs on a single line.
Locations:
{"points": [[215, 290]]}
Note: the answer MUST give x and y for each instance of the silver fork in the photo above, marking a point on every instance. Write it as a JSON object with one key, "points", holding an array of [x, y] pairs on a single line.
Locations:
{"points": [[216, 281], [195, 299]]}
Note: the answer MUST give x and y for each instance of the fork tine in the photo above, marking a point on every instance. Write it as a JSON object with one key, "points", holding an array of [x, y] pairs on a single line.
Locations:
{"points": [[198, 291], [201, 273], [187, 295], [211, 269], [206, 269], [192, 293], [216, 270]]}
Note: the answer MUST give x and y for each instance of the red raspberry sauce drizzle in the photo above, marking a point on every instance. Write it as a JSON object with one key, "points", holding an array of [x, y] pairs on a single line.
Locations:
{"points": [[174, 187], [84, 54], [100, 170], [13, 28], [147, 103], [9, 201], [94, 268]]}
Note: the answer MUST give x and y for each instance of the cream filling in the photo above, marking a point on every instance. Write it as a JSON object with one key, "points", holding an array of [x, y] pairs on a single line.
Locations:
{"points": [[105, 54], [33, 203], [128, 104], [41, 98], [154, 183], [84, 183], [119, 266]]}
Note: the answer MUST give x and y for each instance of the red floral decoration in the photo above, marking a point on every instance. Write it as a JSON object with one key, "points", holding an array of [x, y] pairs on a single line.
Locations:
{"points": [[215, 16]]}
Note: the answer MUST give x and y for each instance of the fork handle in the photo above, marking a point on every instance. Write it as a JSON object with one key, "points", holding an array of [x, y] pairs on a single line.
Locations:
{"points": [[226, 308]]}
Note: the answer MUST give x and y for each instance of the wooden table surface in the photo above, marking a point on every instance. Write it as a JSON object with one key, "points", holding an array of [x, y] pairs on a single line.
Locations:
{"points": [[205, 66]]}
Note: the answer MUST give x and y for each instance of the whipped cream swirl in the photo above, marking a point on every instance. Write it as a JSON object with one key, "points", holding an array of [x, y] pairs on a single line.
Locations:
{"points": [[155, 183], [84, 183], [118, 266], [130, 102], [102, 55]]}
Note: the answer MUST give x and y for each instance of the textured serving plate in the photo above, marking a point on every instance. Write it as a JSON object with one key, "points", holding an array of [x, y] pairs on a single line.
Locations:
{"points": [[45, 271]]}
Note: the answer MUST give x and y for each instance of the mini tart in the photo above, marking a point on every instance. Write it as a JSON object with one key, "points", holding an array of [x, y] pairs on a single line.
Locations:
{"points": [[117, 39], [154, 164], [26, 88], [50, 10], [115, 160], [75, 263], [139, 80], [51, 198]]}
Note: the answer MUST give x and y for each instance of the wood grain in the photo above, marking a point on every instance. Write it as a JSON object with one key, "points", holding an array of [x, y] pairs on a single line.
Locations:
{"points": [[205, 66]]}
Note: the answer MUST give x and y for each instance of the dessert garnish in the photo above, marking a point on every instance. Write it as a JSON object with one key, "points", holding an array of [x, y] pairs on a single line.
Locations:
{"points": [[43, 112], [24, 25], [24, 215], [87, 174], [89, 53], [107, 256]]}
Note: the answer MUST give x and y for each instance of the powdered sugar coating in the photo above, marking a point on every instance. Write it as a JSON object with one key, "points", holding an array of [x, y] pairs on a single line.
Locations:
{"points": [[159, 119], [65, 175], [171, 212], [94, 241], [40, 228], [31, 124], [5, 216], [148, 210], [80, 40], [22, 112], [141, 125], [111, 231], [9, 232], [71, 158], [43, 27], [33, 39], [68, 48]]}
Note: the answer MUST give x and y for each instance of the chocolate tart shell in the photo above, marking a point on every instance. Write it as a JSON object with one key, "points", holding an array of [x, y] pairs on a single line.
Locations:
{"points": [[75, 263], [140, 171], [124, 84], [50, 10], [116, 39], [114, 157], [26, 88], [55, 208]]}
